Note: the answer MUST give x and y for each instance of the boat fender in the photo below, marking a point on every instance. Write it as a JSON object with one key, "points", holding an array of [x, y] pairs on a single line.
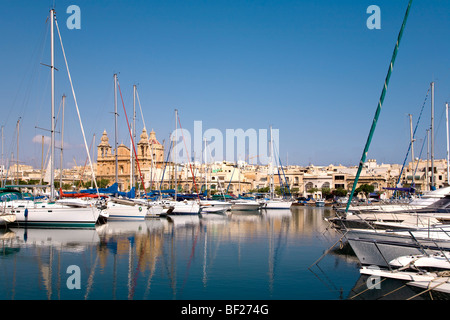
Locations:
{"points": [[26, 213], [140, 209]]}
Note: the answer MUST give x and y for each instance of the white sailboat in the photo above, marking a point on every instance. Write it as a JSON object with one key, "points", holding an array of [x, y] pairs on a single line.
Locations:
{"points": [[117, 208], [50, 213], [212, 206], [185, 207], [430, 272], [245, 205], [274, 203]]}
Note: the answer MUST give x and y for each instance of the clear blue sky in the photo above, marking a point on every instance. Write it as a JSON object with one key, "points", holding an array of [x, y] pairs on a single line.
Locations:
{"points": [[311, 69]]}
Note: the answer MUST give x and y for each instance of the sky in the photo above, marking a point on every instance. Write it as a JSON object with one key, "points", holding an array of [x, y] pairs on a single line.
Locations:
{"points": [[311, 69]]}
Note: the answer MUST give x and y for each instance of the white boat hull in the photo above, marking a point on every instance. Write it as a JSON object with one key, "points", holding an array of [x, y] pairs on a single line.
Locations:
{"points": [[218, 207], [380, 247], [185, 208], [7, 218], [278, 204], [54, 215], [432, 281]]}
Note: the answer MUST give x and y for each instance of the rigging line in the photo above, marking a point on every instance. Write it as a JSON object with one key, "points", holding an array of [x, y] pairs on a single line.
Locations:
{"points": [[218, 180], [32, 79], [84, 167], [129, 130], [148, 142], [231, 179], [414, 134], [189, 161], [380, 103], [420, 154], [76, 105], [164, 170], [284, 175]]}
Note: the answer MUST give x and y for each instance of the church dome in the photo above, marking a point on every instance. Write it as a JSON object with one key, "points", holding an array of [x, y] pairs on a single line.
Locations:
{"points": [[144, 136], [104, 139]]}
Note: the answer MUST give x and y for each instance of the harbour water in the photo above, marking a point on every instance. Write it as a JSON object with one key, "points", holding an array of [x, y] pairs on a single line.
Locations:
{"points": [[238, 256]]}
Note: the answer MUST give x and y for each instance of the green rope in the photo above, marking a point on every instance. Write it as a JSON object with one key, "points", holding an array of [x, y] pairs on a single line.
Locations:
{"points": [[380, 103]]}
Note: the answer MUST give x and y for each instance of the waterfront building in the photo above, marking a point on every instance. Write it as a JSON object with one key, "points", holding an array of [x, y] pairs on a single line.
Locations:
{"points": [[234, 178], [150, 155]]}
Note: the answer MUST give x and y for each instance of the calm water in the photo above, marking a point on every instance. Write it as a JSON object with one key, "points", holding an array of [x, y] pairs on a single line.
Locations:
{"points": [[239, 256]]}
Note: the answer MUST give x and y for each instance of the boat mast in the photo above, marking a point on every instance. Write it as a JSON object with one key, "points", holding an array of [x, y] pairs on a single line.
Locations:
{"points": [[3, 163], [432, 136], [175, 154], [271, 165], [448, 156], [17, 160], [134, 138], [62, 141], [412, 140], [52, 68], [115, 130], [206, 175], [428, 161], [378, 110]]}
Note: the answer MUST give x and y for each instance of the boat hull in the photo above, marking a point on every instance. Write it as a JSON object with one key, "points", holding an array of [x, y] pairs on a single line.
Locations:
{"points": [[184, 208], [378, 248], [278, 205], [118, 211], [51, 217]]}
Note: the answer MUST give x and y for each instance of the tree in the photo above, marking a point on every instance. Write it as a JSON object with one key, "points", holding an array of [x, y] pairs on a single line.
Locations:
{"points": [[366, 189], [339, 192], [326, 192]]}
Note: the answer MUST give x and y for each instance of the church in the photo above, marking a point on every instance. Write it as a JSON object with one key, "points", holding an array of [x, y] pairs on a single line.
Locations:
{"points": [[150, 156]]}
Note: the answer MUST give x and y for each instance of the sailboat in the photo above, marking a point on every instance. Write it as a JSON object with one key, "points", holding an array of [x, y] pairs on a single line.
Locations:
{"points": [[50, 213], [123, 208], [274, 203], [185, 207], [212, 206]]}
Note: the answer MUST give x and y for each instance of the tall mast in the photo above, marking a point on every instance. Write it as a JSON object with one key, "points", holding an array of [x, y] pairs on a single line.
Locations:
{"points": [[448, 156], [115, 129], [412, 140], [380, 103], [412, 149], [428, 161], [175, 154], [52, 143], [206, 170], [3, 163], [62, 141], [271, 165], [134, 137], [17, 160], [432, 136]]}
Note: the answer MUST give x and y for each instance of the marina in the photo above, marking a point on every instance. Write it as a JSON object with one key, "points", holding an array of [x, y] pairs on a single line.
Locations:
{"points": [[223, 214], [241, 255]]}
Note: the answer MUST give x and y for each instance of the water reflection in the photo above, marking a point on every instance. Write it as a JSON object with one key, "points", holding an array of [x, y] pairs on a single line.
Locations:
{"points": [[238, 255]]}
